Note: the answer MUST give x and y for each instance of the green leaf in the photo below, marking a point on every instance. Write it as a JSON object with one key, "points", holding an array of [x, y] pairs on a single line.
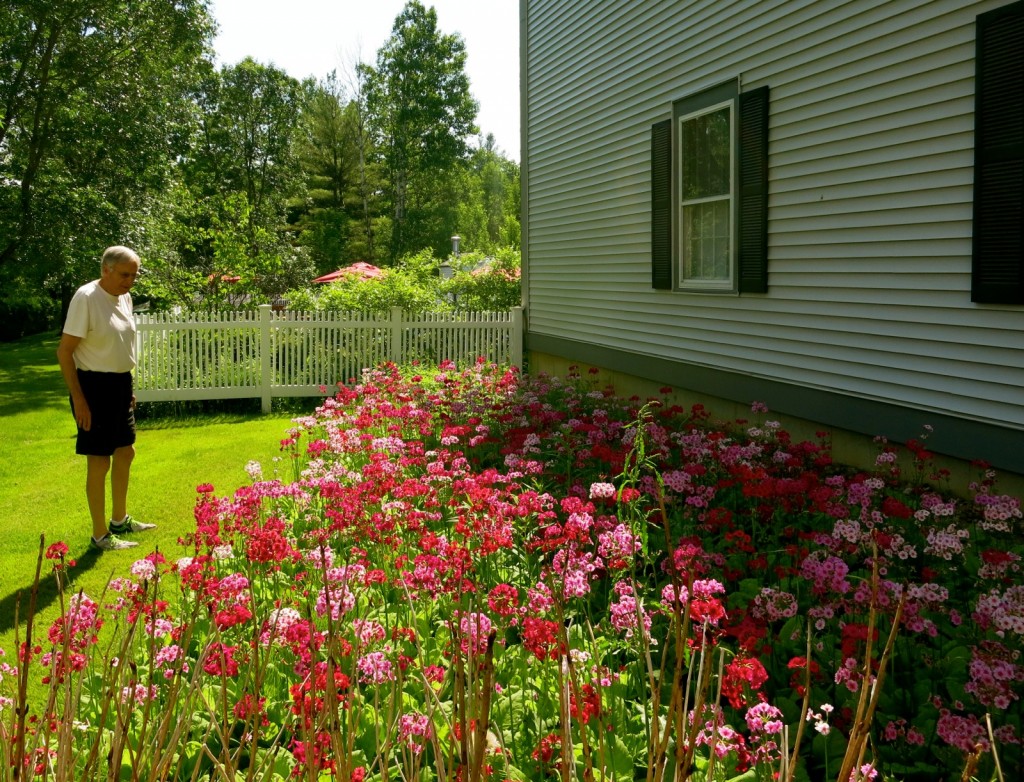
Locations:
{"points": [[622, 762], [509, 709], [750, 775], [831, 746]]}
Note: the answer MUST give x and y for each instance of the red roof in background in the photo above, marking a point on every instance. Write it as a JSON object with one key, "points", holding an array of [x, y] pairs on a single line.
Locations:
{"points": [[359, 268]]}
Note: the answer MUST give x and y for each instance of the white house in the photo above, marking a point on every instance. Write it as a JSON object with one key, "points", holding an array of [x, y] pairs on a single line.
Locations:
{"points": [[814, 204]]}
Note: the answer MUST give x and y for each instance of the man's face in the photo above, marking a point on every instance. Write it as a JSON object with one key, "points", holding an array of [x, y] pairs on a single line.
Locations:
{"points": [[118, 279]]}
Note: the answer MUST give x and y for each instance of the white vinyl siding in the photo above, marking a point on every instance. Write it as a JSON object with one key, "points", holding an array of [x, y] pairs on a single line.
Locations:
{"points": [[870, 175]]}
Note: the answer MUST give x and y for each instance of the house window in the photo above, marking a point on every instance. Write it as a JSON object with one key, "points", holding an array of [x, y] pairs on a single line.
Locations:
{"points": [[709, 193], [997, 274], [705, 146]]}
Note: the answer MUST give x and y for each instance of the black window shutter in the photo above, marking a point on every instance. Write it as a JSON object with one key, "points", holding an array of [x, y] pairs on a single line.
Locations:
{"points": [[997, 273], [753, 191], [661, 205]]}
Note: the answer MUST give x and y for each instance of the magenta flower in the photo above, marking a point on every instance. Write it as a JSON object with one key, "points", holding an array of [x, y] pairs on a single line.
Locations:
{"points": [[375, 668], [627, 614], [415, 730], [474, 630]]}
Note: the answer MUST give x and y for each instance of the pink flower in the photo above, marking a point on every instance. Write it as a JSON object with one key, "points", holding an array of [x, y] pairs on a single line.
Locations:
{"points": [[964, 732], [627, 613], [143, 569], [618, 546], [375, 668], [475, 630], [140, 694], [865, 773], [415, 730]]}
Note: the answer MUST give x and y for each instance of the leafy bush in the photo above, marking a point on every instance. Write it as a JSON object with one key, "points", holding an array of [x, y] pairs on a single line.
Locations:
{"points": [[395, 288], [24, 311], [479, 283], [485, 284]]}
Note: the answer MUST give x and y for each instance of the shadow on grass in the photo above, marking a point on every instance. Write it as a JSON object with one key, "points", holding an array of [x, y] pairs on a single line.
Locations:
{"points": [[48, 593], [197, 413], [29, 376]]}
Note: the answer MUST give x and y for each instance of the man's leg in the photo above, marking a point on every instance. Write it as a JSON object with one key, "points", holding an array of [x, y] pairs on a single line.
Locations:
{"points": [[96, 493], [119, 482]]}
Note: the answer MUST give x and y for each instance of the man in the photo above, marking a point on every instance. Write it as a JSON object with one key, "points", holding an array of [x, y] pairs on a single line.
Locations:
{"points": [[96, 356]]}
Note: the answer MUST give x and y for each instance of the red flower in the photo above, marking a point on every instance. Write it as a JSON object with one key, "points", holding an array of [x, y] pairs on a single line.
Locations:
{"points": [[742, 676], [996, 557], [895, 509], [547, 748], [269, 544], [234, 615], [250, 706], [540, 636], [629, 494], [854, 635], [748, 632], [221, 661], [710, 609], [798, 665], [589, 704], [503, 600], [315, 754], [57, 550]]}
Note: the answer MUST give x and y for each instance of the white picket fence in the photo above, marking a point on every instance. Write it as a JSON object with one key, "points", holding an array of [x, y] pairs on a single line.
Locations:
{"points": [[268, 354]]}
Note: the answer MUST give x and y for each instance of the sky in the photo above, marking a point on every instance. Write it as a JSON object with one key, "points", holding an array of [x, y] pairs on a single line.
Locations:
{"points": [[313, 37]]}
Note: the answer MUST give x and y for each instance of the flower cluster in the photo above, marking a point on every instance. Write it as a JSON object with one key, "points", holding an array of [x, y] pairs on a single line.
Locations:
{"points": [[483, 573]]}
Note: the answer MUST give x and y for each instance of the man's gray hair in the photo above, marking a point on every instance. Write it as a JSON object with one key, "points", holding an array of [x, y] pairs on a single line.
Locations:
{"points": [[118, 254]]}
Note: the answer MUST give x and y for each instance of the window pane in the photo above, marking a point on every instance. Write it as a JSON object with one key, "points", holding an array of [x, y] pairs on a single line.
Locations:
{"points": [[706, 241], [705, 155]]}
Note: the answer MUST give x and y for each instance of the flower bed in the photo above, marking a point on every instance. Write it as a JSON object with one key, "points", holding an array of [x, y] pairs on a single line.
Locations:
{"points": [[471, 575]]}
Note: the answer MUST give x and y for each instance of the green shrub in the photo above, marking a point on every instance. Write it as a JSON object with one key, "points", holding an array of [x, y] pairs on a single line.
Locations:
{"points": [[479, 283], [482, 284], [24, 312], [395, 288]]}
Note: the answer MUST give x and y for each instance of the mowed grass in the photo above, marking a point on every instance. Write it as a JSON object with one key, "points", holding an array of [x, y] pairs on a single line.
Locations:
{"points": [[42, 481]]}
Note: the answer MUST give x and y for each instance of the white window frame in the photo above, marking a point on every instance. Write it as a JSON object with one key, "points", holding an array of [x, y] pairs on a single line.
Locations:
{"points": [[727, 285]]}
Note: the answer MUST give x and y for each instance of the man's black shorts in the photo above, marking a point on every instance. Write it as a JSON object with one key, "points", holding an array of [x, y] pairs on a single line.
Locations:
{"points": [[109, 395]]}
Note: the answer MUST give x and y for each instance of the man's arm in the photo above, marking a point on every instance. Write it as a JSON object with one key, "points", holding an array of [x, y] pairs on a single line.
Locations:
{"points": [[66, 360]]}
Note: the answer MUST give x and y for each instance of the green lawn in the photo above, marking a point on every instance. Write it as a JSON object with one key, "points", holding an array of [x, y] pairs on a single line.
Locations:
{"points": [[42, 481]]}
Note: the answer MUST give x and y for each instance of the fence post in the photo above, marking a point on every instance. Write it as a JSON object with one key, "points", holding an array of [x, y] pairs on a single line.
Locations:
{"points": [[266, 359], [517, 337], [396, 335]]}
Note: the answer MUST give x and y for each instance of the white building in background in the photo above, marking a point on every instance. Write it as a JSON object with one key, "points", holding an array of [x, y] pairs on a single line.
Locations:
{"points": [[813, 204]]}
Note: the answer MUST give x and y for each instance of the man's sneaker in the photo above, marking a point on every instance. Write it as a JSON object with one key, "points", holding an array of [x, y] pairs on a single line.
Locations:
{"points": [[111, 543], [128, 524]]}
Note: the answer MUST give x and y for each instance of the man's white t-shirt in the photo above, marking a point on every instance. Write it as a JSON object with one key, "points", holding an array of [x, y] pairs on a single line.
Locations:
{"points": [[107, 328]]}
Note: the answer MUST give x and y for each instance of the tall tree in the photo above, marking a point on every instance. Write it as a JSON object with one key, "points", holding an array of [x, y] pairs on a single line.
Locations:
{"points": [[331, 153], [369, 176], [490, 217], [92, 108], [248, 128], [238, 178], [422, 112]]}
